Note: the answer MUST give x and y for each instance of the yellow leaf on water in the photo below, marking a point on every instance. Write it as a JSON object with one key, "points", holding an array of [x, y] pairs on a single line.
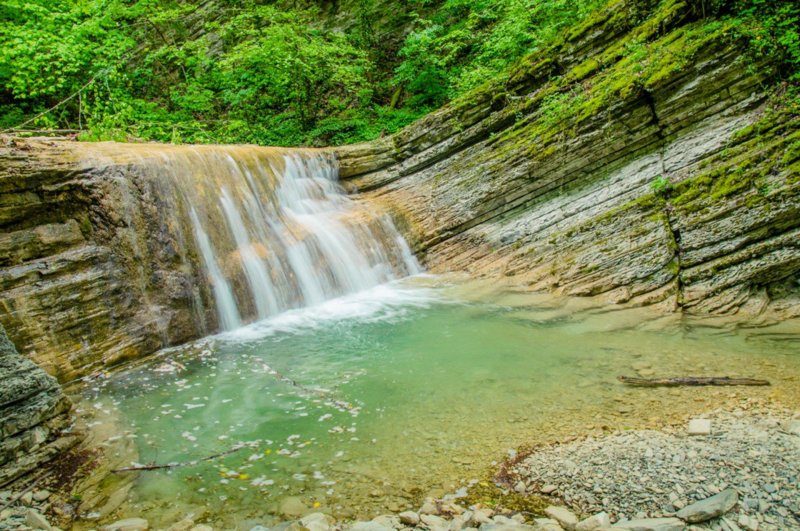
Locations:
{"points": [[317, 504], [268, 451], [244, 477]]}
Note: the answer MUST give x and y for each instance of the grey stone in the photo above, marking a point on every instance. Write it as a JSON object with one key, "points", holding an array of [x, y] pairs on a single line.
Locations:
{"points": [[563, 516], [33, 409], [128, 524], [593, 522], [699, 427], [546, 524], [651, 524], [41, 495], [709, 508], [37, 521], [747, 522], [409, 518], [513, 526], [429, 507], [482, 516], [318, 522], [433, 522], [369, 526]]}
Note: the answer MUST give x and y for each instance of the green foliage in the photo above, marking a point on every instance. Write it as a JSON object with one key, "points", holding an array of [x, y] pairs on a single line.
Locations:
{"points": [[466, 43], [264, 72], [661, 186], [772, 28]]}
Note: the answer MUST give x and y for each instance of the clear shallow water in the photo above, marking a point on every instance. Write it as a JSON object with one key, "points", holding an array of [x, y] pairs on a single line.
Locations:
{"points": [[367, 403]]}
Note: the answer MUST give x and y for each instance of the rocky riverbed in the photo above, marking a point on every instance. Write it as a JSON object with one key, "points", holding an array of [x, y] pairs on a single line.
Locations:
{"points": [[728, 470], [657, 474]]}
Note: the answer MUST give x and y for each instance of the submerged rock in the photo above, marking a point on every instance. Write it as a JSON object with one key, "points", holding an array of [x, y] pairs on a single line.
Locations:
{"points": [[128, 524], [292, 507]]}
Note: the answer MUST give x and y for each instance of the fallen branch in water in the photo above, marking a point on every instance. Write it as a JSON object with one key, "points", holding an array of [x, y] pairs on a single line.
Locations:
{"points": [[689, 380], [153, 466]]}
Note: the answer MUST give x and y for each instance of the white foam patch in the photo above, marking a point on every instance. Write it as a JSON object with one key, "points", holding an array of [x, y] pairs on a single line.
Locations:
{"points": [[385, 302]]}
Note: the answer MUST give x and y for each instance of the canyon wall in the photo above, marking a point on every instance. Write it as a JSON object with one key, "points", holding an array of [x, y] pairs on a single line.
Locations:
{"points": [[640, 164]]}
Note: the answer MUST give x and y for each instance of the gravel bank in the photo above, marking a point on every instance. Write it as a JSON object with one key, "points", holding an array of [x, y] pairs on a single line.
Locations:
{"points": [[648, 474]]}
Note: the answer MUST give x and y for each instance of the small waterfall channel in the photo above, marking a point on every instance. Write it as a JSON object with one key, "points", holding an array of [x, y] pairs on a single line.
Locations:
{"points": [[271, 229]]}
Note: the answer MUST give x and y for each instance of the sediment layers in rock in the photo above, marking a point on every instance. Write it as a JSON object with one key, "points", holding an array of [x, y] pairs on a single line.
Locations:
{"points": [[89, 272], [635, 163], [33, 413]]}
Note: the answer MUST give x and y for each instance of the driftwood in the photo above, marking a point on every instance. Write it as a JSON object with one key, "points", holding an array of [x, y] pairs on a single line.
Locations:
{"points": [[154, 466], [689, 380]]}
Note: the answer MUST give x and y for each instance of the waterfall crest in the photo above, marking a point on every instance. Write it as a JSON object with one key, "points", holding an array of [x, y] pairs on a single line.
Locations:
{"points": [[267, 229]]}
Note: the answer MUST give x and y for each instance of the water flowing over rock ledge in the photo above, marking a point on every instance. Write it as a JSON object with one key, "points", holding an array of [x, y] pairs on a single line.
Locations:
{"points": [[112, 251]]}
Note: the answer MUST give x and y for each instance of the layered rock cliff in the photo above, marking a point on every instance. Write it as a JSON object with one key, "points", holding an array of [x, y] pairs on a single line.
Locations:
{"points": [[33, 413], [89, 272], [639, 164]]}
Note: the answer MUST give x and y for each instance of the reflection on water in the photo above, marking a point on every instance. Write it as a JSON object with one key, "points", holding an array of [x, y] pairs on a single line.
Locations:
{"points": [[367, 403]]}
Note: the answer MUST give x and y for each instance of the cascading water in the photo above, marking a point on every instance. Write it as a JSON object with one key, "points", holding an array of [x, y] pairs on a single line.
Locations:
{"points": [[273, 229]]}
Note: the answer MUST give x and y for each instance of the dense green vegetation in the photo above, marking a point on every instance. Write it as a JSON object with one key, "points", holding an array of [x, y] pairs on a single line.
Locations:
{"points": [[270, 73]]}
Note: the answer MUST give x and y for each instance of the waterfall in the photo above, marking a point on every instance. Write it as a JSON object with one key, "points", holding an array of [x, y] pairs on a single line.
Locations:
{"points": [[272, 229], [226, 305]]}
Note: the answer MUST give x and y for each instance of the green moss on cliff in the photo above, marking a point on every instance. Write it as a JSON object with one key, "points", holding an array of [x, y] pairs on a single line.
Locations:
{"points": [[767, 149]]}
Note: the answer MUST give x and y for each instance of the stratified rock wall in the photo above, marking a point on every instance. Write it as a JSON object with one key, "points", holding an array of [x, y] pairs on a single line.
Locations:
{"points": [[33, 412], [663, 177], [93, 270]]}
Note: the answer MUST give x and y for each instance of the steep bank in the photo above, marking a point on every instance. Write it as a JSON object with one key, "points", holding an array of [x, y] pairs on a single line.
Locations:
{"points": [[638, 164]]}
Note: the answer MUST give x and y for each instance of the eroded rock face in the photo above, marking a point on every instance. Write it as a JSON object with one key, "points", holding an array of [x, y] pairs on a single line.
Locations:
{"points": [[91, 270], [656, 191], [33, 412]]}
